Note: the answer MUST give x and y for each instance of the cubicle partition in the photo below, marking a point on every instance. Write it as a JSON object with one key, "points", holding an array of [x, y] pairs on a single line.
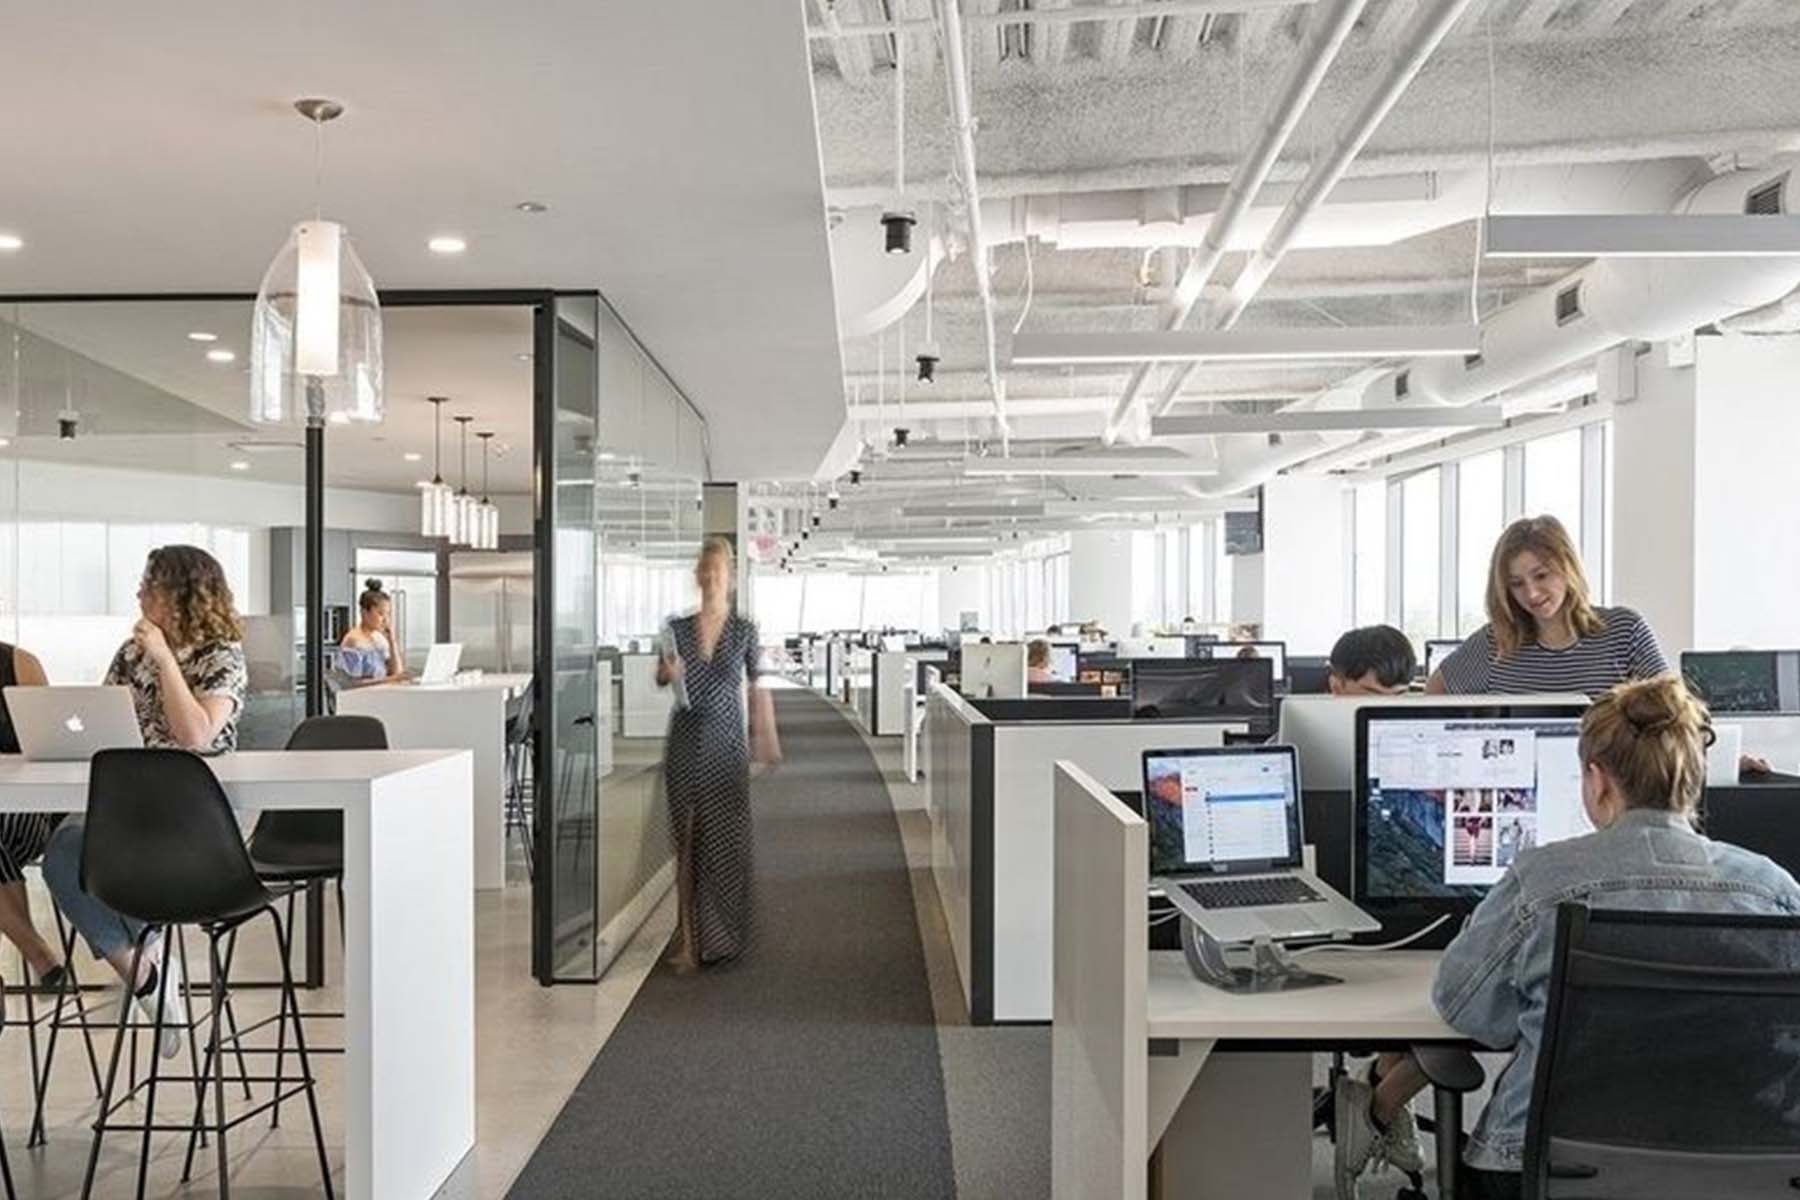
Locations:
{"points": [[888, 709], [989, 785]]}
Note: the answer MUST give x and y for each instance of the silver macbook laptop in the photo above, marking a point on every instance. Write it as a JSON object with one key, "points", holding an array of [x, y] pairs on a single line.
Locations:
{"points": [[441, 662], [67, 724], [1226, 846]]}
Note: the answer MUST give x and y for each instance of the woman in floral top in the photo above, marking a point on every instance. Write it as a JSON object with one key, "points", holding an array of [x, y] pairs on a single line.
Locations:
{"points": [[184, 664]]}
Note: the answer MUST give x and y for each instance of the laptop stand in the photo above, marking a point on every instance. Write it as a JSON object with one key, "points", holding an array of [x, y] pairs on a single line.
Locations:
{"points": [[1271, 969]]}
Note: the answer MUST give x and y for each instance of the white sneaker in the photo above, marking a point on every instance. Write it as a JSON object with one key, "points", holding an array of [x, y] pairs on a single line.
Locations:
{"points": [[174, 1006], [1400, 1144], [1358, 1141]]}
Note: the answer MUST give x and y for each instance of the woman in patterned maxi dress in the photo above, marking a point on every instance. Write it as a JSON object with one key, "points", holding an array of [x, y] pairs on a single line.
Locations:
{"points": [[711, 659]]}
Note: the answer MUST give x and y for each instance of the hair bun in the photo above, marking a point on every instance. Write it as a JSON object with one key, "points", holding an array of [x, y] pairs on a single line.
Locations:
{"points": [[1657, 706], [374, 585]]}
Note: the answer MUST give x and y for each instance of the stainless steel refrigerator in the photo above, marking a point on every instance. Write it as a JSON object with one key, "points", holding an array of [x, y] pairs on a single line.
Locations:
{"points": [[491, 609]]}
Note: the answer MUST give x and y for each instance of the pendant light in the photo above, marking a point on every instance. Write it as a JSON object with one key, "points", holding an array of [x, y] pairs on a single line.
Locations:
{"points": [[488, 525], [462, 505], [315, 332], [435, 497]]}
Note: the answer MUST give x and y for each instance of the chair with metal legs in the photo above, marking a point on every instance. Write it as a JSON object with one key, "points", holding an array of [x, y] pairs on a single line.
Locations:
{"points": [[6, 1179], [162, 847], [68, 992], [293, 849]]}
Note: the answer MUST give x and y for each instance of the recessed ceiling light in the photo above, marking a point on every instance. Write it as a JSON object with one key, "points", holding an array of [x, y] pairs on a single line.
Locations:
{"points": [[412, 456], [339, 418], [220, 356], [446, 243], [240, 465], [11, 241], [607, 456], [523, 356], [422, 483], [200, 335], [531, 206]]}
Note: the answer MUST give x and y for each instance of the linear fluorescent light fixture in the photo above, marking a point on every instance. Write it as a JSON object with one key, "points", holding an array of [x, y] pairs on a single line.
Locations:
{"points": [[1333, 420], [954, 511], [1643, 235], [1174, 466], [1245, 345]]}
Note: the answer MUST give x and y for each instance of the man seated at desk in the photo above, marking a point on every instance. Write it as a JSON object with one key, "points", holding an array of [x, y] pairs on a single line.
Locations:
{"points": [[1376, 660], [1643, 764]]}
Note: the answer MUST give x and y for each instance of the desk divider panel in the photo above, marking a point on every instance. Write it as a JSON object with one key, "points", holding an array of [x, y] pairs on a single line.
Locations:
{"points": [[1099, 1039]]}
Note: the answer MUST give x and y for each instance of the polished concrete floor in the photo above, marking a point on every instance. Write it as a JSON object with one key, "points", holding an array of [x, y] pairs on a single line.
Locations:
{"points": [[533, 1045]]}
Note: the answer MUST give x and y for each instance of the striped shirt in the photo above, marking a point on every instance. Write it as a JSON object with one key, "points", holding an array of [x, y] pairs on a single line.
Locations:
{"points": [[1625, 649]]}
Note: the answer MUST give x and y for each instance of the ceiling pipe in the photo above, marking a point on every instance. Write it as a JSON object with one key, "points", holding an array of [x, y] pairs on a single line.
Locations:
{"points": [[1422, 40], [1325, 38], [956, 79], [1048, 16]]}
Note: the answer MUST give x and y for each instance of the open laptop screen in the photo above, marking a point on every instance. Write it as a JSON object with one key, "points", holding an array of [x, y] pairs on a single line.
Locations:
{"points": [[1233, 810]]}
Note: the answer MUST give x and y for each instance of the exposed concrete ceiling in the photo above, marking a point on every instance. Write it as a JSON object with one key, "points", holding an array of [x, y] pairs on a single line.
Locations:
{"points": [[1672, 90], [154, 149]]}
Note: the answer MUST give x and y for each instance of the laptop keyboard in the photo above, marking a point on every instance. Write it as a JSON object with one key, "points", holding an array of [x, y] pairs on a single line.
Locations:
{"points": [[1251, 893]]}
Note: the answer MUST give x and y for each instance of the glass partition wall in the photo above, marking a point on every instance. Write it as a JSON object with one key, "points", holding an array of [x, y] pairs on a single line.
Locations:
{"points": [[124, 425]]}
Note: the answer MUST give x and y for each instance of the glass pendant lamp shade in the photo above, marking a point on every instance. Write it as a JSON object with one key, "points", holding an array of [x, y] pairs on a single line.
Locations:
{"points": [[315, 333], [435, 497]]}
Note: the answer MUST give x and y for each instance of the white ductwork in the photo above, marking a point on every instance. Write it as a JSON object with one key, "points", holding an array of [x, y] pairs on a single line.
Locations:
{"points": [[1609, 301]]}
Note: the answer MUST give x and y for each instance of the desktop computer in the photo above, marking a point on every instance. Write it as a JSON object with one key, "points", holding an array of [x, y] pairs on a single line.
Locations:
{"points": [[1744, 681], [1448, 796], [1063, 662], [1227, 689], [1275, 652], [1436, 651]]}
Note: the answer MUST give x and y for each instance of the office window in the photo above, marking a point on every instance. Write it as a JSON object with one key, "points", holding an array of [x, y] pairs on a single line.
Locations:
{"points": [[1420, 519], [1172, 567], [1369, 551], [1059, 588], [1480, 516], [1222, 574], [1144, 597], [1553, 479], [832, 600], [777, 604]]}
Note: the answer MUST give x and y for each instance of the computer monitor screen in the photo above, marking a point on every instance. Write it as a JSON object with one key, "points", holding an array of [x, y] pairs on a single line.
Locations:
{"points": [[1745, 681], [1242, 688], [1063, 663], [1230, 810], [1436, 652], [1275, 652], [1447, 798]]}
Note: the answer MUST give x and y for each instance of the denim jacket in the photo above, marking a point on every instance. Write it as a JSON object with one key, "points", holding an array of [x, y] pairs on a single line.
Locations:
{"points": [[1493, 984]]}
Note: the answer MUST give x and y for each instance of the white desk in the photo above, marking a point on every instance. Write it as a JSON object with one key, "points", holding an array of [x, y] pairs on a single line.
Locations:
{"points": [[460, 716], [1230, 1124], [409, 1030]]}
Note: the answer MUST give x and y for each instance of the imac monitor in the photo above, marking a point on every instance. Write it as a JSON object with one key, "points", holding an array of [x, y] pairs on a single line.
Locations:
{"points": [[993, 672], [1063, 663], [1436, 651], [1230, 688], [1448, 796], [1275, 652], [1153, 647], [1745, 681]]}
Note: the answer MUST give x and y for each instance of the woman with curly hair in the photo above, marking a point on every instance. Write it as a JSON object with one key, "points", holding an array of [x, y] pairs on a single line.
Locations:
{"points": [[184, 664]]}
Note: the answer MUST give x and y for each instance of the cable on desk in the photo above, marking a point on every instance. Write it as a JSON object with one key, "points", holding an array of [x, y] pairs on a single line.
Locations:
{"points": [[1352, 947]]}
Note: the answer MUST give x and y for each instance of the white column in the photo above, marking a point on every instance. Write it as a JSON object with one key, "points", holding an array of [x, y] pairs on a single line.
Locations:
{"points": [[1707, 515], [1303, 559], [1100, 572]]}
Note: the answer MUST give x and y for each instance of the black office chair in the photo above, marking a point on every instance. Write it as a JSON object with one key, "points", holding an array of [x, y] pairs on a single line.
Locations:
{"points": [[1670, 1061], [162, 846]]}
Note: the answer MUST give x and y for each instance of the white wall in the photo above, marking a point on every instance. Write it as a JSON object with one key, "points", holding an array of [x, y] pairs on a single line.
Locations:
{"points": [[1100, 574], [1747, 492], [962, 590], [1707, 525], [1247, 588], [1303, 558]]}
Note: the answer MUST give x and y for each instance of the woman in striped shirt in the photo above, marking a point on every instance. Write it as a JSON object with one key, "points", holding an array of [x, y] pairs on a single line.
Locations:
{"points": [[1543, 634]]}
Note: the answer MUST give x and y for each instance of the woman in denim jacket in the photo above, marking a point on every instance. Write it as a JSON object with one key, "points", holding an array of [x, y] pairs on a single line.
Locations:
{"points": [[1643, 759]]}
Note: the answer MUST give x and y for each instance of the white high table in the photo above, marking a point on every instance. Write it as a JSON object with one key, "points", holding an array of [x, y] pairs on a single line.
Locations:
{"points": [[454, 716], [409, 954], [1137, 1041]]}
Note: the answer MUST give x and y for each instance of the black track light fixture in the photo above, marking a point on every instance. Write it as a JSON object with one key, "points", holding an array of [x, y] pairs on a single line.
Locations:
{"points": [[896, 232]]}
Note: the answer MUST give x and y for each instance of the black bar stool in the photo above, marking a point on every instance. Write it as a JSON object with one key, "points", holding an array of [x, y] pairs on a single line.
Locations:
{"points": [[6, 1179], [519, 726], [162, 847], [68, 992], [293, 849]]}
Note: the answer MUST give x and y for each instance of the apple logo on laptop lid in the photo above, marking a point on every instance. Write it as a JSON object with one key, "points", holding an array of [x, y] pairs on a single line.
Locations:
{"points": [[74, 725]]}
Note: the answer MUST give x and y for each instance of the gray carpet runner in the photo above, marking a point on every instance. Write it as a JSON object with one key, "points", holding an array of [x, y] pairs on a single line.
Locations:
{"points": [[810, 1068]]}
